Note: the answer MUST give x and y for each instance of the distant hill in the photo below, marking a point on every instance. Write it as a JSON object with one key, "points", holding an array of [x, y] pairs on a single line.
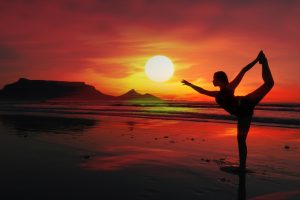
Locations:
{"points": [[133, 95], [26, 90]]}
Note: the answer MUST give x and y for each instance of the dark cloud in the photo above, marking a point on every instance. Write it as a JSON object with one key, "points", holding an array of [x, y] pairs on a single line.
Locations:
{"points": [[8, 54]]}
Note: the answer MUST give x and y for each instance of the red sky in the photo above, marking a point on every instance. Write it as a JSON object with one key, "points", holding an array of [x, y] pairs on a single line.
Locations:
{"points": [[107, 43]]}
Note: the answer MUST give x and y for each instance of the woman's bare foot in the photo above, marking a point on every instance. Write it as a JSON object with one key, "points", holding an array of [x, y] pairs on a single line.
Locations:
{"points": [[262, 57]]}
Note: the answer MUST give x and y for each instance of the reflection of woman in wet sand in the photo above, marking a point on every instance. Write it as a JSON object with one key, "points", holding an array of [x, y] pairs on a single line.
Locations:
{"points": [[240, 106]]}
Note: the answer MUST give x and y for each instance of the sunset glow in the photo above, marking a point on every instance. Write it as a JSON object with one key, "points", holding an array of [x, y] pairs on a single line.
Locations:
{"points": [[107, 43], [150, 99]]}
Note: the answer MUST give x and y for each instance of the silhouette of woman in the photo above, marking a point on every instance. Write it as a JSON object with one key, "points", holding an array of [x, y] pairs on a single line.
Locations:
{"points": [[240, 106]]}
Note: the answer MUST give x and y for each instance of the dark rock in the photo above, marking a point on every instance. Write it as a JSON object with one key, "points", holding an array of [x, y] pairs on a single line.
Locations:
{"points": [[86, 157], [224, 180], [287, 147]]}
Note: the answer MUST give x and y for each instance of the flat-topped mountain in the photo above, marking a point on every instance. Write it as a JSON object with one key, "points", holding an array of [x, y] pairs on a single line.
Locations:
{"points": [[26, 89]]}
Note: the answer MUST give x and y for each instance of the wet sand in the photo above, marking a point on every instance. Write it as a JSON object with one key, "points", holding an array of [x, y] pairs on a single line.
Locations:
{"points": [[84, 157]]}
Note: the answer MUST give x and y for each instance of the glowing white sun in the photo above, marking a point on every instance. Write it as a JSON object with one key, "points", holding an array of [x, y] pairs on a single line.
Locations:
{"points": [[159, 68]]}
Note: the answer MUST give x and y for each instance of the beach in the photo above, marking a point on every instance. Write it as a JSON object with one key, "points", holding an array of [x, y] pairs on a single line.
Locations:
{"points": [[83, 156], [149, 100]]}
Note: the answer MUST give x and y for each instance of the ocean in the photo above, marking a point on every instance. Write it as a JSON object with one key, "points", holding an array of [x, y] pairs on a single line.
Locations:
{"points": [[265, 114]]}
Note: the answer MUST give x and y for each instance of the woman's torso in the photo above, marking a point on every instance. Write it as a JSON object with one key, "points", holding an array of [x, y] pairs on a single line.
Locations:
{"points": [[234, 105]]}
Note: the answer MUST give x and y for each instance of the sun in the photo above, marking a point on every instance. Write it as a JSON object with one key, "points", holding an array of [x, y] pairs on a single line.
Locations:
{"points": [[159, 68]]}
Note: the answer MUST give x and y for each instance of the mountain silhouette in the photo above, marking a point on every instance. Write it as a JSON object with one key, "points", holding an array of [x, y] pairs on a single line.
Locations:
{"points": [[26, 90], [133, 95]]}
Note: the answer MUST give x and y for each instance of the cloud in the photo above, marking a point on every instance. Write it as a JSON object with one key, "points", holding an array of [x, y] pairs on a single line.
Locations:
{"points": [[7, 53], [54, 39]]}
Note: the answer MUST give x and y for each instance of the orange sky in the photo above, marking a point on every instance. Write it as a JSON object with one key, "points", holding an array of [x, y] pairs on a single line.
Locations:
{"points": [[107, 43]]}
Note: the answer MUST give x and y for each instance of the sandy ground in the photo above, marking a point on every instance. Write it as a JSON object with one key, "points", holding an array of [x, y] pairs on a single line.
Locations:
{"points": [[87, 157]]}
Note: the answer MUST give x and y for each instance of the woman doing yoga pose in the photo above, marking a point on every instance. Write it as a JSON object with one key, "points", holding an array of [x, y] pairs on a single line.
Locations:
{"points": [[240, 106]]}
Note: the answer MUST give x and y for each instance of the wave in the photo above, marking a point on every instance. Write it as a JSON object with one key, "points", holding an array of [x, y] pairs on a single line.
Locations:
{"points": [[190, 112], [271, 106]]}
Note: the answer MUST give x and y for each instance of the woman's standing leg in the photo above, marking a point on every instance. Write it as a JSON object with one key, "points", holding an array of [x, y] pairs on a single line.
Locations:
{"points": [[243, 129]]}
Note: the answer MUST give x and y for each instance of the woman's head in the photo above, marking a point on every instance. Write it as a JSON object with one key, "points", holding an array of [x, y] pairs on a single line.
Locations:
{"points": [[220, 79]]}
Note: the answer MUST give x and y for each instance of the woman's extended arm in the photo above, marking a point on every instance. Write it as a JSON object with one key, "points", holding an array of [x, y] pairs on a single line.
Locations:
{"points": [[236, 81], [200, 90]]}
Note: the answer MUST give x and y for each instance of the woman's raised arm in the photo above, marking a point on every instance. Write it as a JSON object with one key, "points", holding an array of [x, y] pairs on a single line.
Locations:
{"points": [[236, 81], [200, 89]]}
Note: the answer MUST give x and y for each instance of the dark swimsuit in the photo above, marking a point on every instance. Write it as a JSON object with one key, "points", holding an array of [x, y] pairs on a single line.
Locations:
{"points": [[234, 105]]}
